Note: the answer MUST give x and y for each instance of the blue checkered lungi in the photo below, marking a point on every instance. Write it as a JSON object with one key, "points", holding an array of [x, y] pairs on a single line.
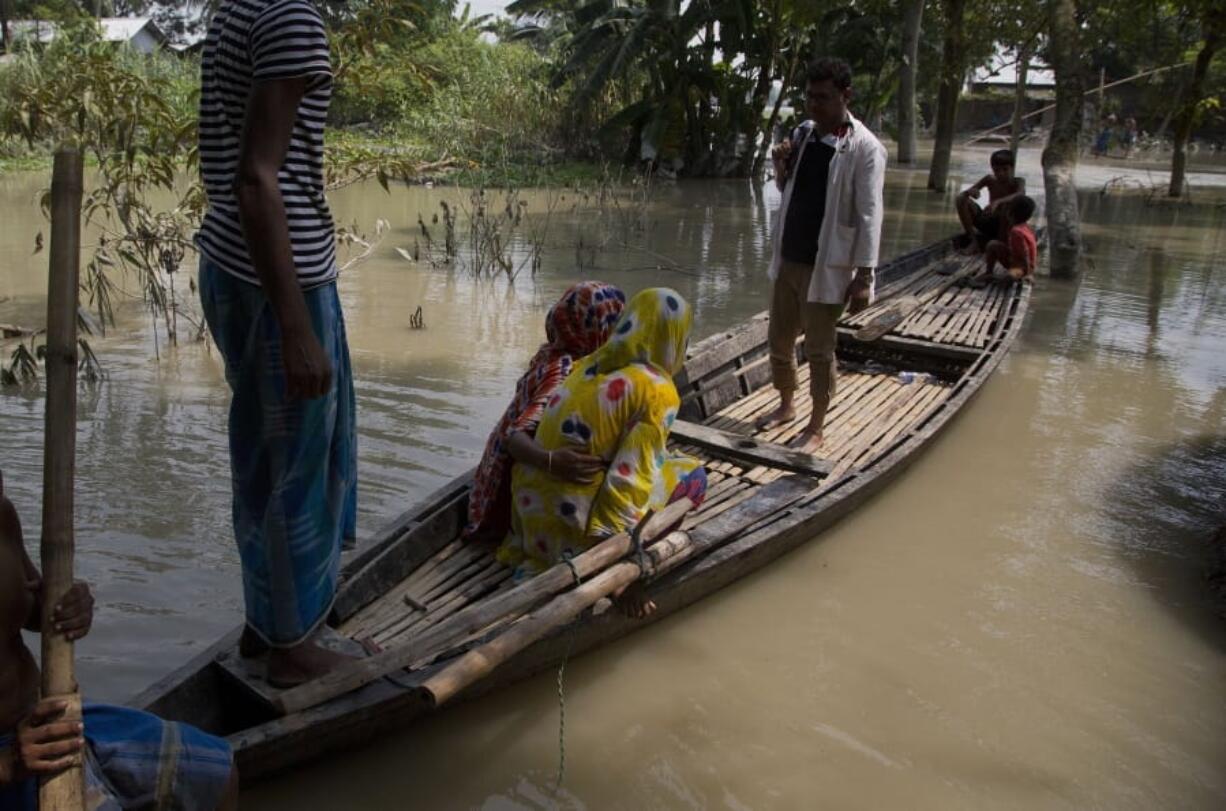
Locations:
{"points": [[293, 462]]}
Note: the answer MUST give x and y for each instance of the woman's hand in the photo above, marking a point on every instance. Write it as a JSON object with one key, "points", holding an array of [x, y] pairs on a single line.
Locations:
{"points": [[573, 466], [45, 745]]}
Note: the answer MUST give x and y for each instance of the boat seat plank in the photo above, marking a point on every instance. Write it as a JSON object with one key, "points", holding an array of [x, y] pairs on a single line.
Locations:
{"points": [[747, 449]]}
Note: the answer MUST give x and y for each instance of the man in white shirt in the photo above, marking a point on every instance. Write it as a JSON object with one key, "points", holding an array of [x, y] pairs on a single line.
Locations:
{"points": [[826, 237]]}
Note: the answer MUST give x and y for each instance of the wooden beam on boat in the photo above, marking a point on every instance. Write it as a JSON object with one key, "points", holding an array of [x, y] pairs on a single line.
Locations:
{"points": [[913, 346], [747, 450]]}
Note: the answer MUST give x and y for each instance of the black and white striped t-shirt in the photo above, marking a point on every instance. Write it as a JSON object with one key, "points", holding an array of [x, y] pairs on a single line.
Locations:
{"points": [[253, 41]]}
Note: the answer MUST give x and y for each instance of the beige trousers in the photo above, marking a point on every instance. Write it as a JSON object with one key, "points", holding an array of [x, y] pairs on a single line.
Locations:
{"points": [[791, 314]]}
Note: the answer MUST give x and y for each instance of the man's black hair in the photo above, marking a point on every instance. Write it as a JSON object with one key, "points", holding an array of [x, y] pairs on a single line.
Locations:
{"points": [[1003, 157], [829, 68], [1022, 209]]}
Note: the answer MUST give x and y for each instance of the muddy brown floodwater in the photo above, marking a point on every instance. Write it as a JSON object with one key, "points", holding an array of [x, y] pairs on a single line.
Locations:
{"points": [[1020, 621]]}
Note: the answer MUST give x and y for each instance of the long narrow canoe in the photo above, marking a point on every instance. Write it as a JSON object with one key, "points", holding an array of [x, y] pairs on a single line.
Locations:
{"points": [[895, 395]]}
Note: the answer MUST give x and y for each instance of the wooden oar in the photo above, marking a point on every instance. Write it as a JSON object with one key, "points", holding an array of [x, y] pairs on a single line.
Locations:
{"points": [[901, 308], [63, 791], [475, 618]]}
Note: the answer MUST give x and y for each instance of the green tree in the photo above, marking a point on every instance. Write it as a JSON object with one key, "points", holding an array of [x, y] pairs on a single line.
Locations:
{"points": [[1213, 33], [912, 13], [953, 71], [1063, 146]]}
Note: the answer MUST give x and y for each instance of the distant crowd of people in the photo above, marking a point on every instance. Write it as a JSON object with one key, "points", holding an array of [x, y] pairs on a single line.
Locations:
{"points": [[1112, 133]]}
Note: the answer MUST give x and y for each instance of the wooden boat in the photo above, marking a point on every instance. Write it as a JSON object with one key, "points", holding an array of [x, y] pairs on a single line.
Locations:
{"points": [[895, 394]]}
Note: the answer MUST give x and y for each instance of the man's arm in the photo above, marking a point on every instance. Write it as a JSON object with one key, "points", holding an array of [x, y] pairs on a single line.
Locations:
{"points": [[781, 155], [974, 189], [33, 582], [870, 203], [271, 111]]}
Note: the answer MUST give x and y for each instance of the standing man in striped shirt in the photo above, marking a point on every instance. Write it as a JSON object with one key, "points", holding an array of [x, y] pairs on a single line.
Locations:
{"points": [[268, 287]]}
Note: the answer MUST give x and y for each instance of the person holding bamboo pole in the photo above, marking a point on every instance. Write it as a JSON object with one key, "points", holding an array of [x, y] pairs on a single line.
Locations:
{"points": [[131, 758], [268, 287]]}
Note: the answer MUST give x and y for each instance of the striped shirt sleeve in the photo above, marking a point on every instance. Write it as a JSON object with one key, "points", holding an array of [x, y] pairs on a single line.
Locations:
{"points": [[289, 41]]}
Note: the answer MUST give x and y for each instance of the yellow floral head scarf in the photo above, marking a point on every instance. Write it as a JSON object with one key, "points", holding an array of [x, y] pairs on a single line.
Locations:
{"points": [[654, 330]]}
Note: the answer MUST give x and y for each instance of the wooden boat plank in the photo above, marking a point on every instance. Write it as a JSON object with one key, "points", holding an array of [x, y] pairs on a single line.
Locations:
{"points": [[389, 566], [747, 449], [963, 330], [393, 531]]}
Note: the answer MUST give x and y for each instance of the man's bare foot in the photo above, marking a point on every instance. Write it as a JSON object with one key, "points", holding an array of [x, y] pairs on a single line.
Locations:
{"points": [[634, 602], [780, 416], [809, 441], [250, 645], [290, 667]]}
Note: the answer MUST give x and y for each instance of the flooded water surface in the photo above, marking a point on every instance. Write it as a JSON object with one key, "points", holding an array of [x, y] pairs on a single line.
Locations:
{"points": [[1020, 621]]}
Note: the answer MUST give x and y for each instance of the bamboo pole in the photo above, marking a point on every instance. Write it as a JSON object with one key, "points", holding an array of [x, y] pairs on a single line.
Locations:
{"points": [[458, 627], [1098, 90], [479, 662], [63, 791]]}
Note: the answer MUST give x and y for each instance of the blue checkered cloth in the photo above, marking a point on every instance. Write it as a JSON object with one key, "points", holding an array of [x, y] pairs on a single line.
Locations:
{"points": [[137, 760], [293, 462]]}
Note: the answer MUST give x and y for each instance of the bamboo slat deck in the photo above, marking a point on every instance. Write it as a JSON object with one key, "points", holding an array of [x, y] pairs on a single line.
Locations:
{"points": [[960, 316], [893, 397]]}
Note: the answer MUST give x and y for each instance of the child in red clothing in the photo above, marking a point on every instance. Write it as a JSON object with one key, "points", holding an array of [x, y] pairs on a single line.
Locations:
{"points": [[1020, 254]]}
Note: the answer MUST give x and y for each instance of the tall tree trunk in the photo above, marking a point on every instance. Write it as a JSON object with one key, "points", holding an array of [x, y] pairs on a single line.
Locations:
{"points": [[913, 14], [1160, 133], [758, 99], [952, 70], [768, 131], [4, 25], [1019, 98], [1213, 26], [1060, 156]]}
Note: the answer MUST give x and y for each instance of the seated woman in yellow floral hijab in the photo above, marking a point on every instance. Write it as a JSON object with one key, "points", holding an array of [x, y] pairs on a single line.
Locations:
{"points": [[618, 404]]}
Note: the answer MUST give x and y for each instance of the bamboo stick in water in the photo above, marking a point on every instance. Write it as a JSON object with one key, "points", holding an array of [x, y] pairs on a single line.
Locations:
{"points": [[63, 791]]}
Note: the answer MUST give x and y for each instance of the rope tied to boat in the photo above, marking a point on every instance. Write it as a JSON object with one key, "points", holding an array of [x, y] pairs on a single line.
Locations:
{"points": [[570, 641], [636, 537], [570, 564]]}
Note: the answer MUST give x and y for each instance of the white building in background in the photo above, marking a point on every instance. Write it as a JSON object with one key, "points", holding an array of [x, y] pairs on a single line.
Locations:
{"points": [[1001, 73], [141, 34]]}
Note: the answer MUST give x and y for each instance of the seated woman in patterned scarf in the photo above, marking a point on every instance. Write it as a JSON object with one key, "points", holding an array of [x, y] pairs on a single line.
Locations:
{"points": [[617, 404]]}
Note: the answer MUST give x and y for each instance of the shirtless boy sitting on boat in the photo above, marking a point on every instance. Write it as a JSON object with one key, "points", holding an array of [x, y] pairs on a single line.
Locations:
{"points": [[131, 759], [982, 225]]}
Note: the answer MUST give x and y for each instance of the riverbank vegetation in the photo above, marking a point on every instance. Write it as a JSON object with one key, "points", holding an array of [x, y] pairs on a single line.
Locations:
{"points": [[573, 93], [688, 87]]}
